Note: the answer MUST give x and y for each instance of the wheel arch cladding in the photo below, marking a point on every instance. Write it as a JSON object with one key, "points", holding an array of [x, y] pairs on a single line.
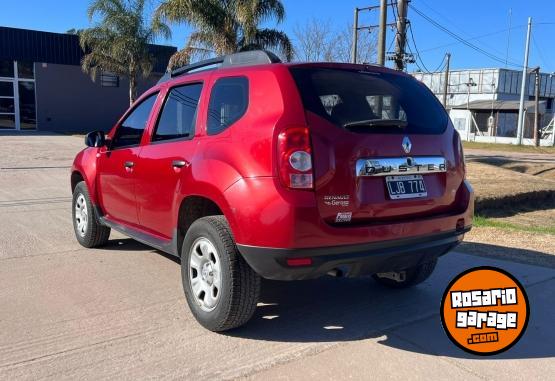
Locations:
{"points": [[76, 178], [192, 208]]}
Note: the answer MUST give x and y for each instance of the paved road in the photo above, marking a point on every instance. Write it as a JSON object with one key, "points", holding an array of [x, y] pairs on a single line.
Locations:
{"points": [[119, 312]]}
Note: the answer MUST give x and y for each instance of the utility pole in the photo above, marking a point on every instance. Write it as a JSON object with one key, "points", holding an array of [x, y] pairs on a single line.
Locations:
{"points": [[355, 38], [382, 32], [446, 80], [537, 107], [400, 38], [523, 90]]}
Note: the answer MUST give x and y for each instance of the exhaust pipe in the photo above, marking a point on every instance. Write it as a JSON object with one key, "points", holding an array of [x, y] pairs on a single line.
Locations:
{"points": [[336, 273]]}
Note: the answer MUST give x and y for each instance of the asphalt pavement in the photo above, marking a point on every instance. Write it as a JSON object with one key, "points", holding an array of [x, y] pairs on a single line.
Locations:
{"points": [[119, 312]]}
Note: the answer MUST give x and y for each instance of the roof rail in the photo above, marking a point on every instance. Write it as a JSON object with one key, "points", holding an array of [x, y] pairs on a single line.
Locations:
{"points": [[251, 57]]}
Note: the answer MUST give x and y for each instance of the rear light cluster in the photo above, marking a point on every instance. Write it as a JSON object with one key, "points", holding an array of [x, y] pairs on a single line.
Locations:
{"points": [[295, 158], [460, 151]]}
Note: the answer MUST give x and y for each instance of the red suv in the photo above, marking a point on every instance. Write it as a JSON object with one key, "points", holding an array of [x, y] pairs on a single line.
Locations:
{"points": [[246, 167]]}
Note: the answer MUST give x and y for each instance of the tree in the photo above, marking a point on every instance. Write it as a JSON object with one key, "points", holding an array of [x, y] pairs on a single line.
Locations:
{"points": [[226, 26], [119, 42], [316, 40]]}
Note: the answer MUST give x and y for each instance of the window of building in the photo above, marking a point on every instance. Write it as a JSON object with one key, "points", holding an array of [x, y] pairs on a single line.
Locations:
{"points": [[130, 131], [6, 106], [108, 79], [27, 109], [228, 103], [25, 70], [6, 69], [6, 89], [7, 121], [459, 124], [17, 112], [178, 116]]}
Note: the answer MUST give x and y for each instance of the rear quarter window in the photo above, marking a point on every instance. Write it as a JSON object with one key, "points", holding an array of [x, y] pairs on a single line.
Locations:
{"points": [[229, 101], [345, 97]]}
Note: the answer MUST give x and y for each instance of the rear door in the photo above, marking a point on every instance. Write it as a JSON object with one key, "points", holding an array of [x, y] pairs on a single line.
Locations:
{"points": [[117, 164], [382, 149], [164, 162]]}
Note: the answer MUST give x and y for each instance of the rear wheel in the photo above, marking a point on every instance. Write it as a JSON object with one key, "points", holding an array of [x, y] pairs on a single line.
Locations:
{"points": [[88, 230], [220, 287], [407, 278]]}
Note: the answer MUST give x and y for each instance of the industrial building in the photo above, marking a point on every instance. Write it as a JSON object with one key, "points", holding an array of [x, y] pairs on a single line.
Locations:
{"points": [[42, 86], [484, 103]]}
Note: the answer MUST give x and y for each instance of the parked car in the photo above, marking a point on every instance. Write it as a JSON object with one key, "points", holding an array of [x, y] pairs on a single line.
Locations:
{"points": [[246, 167]]}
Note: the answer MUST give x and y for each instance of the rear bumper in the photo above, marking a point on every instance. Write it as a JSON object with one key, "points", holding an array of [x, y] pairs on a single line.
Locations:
{"points": [[351, 260]]}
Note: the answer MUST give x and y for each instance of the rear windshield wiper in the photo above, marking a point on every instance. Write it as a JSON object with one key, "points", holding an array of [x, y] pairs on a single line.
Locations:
{"points": [[377, 123]]}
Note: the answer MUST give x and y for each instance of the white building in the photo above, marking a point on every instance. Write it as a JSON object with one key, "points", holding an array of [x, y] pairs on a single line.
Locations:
{"points": [[483, 103]]}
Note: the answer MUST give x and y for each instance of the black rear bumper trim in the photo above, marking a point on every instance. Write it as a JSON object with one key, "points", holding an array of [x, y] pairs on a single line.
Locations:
{"points": [[353, 260]]}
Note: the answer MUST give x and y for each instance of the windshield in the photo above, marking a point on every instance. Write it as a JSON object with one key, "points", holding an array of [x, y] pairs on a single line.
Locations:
{"points": [[364, 101]]}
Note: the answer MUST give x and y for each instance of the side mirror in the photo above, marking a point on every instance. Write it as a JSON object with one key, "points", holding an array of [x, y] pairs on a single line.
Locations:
{"points": [[95, 139]]}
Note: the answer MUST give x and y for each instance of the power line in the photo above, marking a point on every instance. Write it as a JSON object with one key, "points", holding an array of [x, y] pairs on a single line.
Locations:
{"points": [[462, 40], [461, 30], [542, 59], [418, 55], [474, 38]]}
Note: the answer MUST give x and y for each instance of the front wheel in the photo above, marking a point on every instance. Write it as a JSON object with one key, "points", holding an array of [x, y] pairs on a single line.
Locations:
{"points": [[407, 278], [220, 287], [88, 230]]}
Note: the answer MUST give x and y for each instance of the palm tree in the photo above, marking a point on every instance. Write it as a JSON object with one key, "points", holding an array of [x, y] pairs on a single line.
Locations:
{"points": [[226, 26], [118, 43]]}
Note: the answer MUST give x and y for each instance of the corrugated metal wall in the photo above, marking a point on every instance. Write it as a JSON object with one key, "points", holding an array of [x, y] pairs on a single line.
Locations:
{"points": [[58, 48]]}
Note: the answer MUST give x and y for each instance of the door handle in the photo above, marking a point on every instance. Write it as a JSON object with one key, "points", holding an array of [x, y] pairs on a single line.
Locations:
{"points": [[128, 164], [180, 163]]}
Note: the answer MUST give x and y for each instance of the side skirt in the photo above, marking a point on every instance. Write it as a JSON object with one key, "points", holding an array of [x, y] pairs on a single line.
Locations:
{"points": [[166, 246]]}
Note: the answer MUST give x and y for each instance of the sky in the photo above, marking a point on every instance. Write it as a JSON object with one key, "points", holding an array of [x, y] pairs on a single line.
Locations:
{"points": [[485, 23]]}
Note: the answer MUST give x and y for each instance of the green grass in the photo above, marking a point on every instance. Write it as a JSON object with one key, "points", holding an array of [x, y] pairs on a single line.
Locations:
{"points": [[509, 148], [480, 221]]}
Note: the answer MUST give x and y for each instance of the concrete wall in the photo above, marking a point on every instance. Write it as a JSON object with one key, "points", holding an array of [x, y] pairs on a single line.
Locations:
{"points": [[69, 101]]}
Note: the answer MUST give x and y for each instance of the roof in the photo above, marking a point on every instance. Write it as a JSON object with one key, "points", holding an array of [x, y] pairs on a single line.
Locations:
{"points": [[59, 48], [498, 105]]}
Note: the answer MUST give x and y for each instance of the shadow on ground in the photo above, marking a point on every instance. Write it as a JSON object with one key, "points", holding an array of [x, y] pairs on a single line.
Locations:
{"points": [[128, 244], [511, 205], [329, 310], [332, 310], [542, 200], [528, 257]]}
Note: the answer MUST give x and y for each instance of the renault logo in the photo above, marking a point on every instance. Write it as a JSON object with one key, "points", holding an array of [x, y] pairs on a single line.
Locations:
{"points": [[407, 145]]}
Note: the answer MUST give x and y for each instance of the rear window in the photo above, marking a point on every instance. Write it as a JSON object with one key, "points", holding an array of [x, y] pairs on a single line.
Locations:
{"points": [[367, 102]]}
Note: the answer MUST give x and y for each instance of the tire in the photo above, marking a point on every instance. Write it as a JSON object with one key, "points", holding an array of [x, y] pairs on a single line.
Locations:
{"points": [[92, 233], [414, 275], [210, 260]]}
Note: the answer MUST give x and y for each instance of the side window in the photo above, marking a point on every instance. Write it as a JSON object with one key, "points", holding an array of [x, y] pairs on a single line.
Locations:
{"points": [[228, 103], [179, 114], [130, 131]]}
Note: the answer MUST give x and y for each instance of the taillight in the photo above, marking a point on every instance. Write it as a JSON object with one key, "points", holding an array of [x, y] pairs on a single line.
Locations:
{"points": [[295, 158], [460, 151]]}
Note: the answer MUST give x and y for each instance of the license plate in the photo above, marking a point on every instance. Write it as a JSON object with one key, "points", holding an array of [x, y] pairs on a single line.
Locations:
{"points": [[408, 186]]}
